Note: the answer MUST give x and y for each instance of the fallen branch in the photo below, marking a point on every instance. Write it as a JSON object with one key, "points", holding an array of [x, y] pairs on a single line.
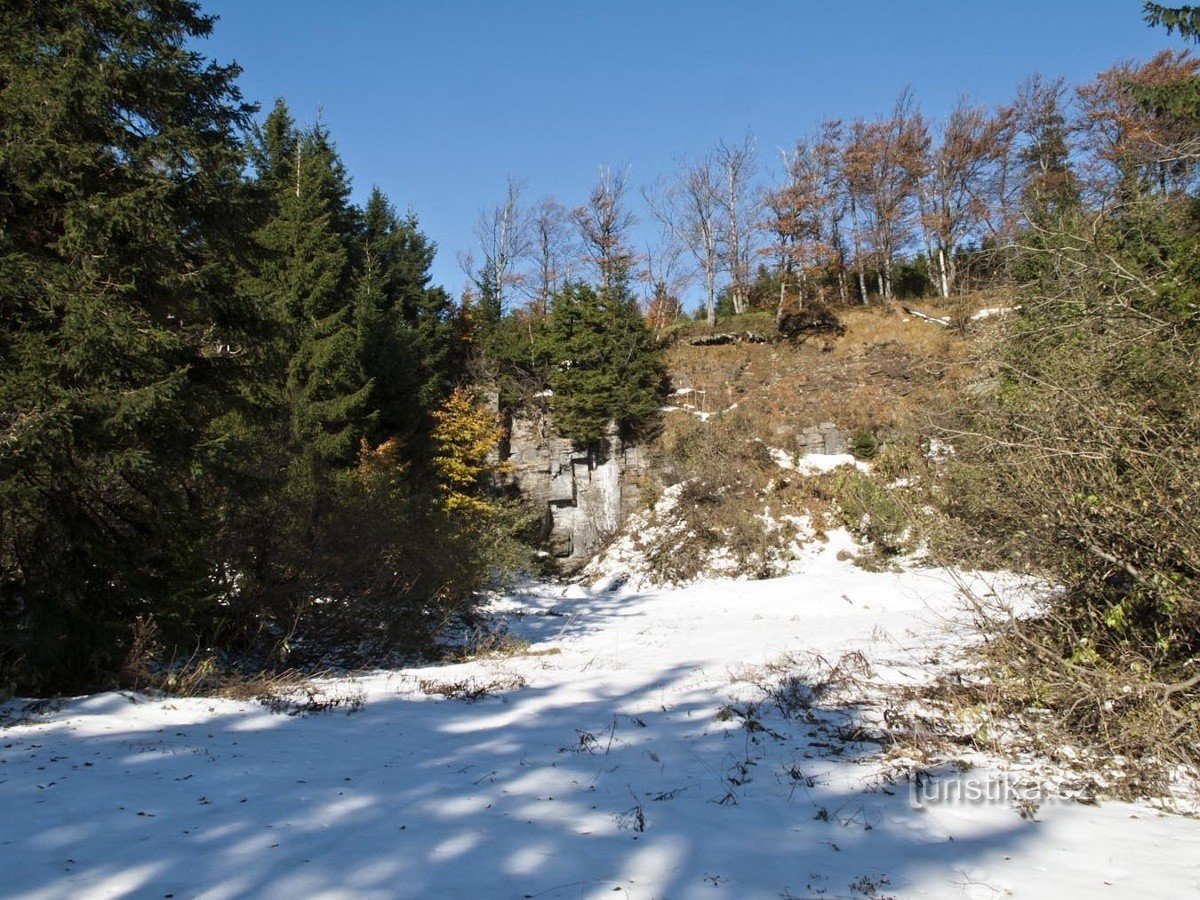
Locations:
{"points": [[925, 317]]}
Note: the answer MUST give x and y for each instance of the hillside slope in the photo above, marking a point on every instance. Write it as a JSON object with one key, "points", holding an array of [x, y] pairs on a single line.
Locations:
{"points": [[742, 489]]}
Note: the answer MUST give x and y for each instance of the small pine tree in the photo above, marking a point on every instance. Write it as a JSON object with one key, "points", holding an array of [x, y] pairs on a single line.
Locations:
{"points": [[406, 329]]}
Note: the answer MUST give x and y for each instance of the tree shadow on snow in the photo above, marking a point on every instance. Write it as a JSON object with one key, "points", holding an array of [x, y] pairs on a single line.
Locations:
{"points": [[581, 787]]}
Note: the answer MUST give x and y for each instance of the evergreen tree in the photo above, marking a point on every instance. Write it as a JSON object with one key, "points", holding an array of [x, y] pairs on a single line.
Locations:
{"points": [[428, 311], [121, 333], [606, 366], [1181, 99], [1051, 189], [305, 279], [273, 151], [404, 323], [1184, 19], [386, 354], [490, 305]]}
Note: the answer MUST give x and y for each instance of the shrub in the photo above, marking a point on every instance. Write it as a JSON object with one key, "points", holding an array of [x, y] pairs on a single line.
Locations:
{"points": [[465, 437], [812, 318], [871, 511], [864, 444], [1089, 452]]}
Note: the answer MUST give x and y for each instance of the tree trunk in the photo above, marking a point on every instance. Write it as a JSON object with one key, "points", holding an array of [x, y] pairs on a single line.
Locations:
{"points": [[858, 256], [711, 307], [782, 299], [922, 213], [888, 293]]}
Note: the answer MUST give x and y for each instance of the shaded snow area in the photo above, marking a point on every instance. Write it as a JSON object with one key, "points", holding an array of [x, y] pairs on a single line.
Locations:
{"points": [[654, 744]]}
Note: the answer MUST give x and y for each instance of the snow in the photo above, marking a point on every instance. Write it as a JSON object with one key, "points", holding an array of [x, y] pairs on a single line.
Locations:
{"points": [[991, 311], [782, 458], [606, 760], [702, 415], [814, 463], [939, 451], [820, 463]]}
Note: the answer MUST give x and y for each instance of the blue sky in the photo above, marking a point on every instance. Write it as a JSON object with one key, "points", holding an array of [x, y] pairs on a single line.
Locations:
{"points": [[438, 102]]}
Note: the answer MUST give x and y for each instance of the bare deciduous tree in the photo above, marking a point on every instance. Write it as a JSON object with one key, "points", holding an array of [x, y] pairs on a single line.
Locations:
{"points": [[804, 214], [552, 251], [737, 165], [604, 223], [689, 210], [663, 275], [1000, 187], [793, 219], [1130, 145], [882, 161], [503, 235], [952, 198]]}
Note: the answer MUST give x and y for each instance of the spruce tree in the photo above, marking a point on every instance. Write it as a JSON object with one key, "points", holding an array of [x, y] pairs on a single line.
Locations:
{"points": [[404, 323], [1181, 99], [386, 355], [606, 367], [305, 279], [1184, 19], [428, 310], [122, 332], [1051, 188], [273, 151]]}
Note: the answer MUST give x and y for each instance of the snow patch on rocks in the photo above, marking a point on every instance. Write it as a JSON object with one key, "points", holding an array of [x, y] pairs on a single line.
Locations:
{"points": [[821, 463]]}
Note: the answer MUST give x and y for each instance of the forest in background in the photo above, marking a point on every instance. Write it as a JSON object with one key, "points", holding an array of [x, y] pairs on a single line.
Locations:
{"points": [[240, 425]]}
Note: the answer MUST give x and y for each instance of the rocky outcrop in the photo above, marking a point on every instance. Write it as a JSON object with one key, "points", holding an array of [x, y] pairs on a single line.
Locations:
{"points": [[728, 337], [585, 492], [825, 438]]}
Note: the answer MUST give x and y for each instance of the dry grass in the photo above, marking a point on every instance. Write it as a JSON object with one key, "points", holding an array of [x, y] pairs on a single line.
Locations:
{"points": [[798, 684], [282, 690], [308, 698], [1121, 732], [732, 515], [891, 379], [472, 688], [888, 374]]}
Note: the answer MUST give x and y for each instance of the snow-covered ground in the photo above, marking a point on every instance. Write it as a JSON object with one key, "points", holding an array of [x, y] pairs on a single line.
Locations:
{"points": [[614, 756]]}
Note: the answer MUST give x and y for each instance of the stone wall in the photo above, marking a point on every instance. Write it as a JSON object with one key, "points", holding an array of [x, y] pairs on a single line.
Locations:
{"points": [[585, 492]]}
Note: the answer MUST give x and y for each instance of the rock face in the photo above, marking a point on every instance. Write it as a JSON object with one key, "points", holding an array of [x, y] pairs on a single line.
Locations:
{"points": [[824, 438], [585, 491]]}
